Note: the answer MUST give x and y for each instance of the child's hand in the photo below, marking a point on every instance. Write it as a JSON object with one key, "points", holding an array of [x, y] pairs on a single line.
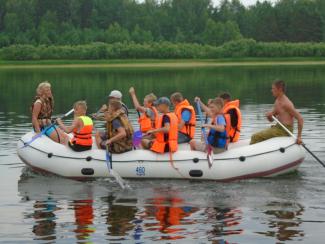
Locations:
{"points": [[206, 125], [131, 90], [103, 108], [149, 132], [197, 99], [59, 121]]}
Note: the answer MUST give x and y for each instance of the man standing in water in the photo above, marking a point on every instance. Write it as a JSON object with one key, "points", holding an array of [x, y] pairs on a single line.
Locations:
{"points": [[285, 112]]}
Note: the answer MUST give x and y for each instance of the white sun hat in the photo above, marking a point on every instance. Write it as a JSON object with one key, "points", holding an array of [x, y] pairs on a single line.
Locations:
{"points": [[115, 94]]}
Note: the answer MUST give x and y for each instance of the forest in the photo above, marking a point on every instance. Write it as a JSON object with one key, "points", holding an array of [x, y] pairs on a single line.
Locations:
{"points": [[102, 29]]}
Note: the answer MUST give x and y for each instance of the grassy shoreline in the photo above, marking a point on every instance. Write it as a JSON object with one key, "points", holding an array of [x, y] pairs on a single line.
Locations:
{"points": [[167, 63]]}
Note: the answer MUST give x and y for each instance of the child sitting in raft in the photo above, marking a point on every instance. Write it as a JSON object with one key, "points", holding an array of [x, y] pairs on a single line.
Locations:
{"points": [[149, 114], [217, 136], [166, 132], [119, 131], [81, 127]]}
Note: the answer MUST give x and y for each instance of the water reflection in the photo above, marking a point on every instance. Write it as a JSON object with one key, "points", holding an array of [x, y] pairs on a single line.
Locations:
{"points": [[284, 220], [92, 213], [227, 221], [170, 212], [84, 216], [119, 218], [45, 219]]}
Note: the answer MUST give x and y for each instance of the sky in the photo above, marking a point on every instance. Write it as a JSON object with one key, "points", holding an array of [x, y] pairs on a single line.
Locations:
{"points": [[245, 2]]}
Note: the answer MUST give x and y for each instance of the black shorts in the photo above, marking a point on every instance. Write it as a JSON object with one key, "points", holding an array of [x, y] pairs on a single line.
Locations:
{"points": [[78, 148]]}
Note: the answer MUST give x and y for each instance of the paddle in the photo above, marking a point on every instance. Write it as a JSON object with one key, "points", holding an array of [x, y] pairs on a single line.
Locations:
{"points": [[137, 138], [112, 172], [209, 155], [293, 136], [46, 129]]}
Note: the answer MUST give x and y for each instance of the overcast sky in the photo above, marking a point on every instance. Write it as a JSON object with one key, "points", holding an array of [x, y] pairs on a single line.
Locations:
{"points": [[245, 2]]}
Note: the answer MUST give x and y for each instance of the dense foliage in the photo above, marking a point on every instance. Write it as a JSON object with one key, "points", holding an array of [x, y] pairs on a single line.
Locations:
{"points": [[83, 29], [85, 21], [163, 50]]}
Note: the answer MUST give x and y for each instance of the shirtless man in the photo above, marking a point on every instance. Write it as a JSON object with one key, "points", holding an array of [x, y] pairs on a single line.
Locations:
{"points": [[285, 112]]}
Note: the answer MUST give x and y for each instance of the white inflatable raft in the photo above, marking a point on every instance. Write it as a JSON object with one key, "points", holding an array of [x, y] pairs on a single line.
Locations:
{"points": [[241, 161]]}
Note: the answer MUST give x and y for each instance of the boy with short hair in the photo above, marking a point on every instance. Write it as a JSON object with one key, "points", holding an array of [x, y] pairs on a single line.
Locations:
{"points": [[81, 127], [166, 131], [186, 117]]}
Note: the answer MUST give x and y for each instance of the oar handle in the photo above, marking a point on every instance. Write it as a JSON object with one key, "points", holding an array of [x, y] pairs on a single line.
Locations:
{"points": [[54, 122], [67, 114], [47, 128], [285, 128]]}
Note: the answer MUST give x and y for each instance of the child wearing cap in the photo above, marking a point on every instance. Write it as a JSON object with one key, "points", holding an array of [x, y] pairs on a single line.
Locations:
{"points": [[166, 131]]}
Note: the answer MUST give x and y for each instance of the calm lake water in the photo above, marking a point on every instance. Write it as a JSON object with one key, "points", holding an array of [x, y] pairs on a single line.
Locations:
{"points": [[287, 209]]}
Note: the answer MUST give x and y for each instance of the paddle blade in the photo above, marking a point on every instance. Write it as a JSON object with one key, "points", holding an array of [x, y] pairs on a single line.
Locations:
{"points": [[118, 178], [210, 157], [137, 138]]}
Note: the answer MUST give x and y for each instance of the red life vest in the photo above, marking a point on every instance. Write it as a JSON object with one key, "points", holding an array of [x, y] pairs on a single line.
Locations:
{"points": [[146, 122], [189, 127], [83, 136], [160, 143], [233, 119]]}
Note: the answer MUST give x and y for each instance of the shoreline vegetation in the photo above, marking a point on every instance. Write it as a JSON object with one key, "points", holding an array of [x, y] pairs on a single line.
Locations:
{"points": [[162, 63], [240, 52]]}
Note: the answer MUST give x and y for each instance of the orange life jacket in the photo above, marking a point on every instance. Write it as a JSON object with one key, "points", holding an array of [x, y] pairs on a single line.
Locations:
{"points": [[234, 121], [146, 123], [189, 127], [160, 142], [83, 136]]}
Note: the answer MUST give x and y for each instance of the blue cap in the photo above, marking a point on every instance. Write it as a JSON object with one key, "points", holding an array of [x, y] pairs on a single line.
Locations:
{"points": [[162, 100]]}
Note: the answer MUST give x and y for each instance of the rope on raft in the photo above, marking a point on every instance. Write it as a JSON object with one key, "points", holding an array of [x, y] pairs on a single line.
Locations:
{"points": [[89, 158]]}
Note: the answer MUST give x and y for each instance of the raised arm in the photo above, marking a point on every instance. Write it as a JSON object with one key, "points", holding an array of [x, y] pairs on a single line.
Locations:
{"points": [[203, 106], [135, 101]]}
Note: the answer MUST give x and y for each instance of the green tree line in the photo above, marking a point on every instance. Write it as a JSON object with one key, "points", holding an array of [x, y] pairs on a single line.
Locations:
{"points": [[73, 22], [163, 50]]}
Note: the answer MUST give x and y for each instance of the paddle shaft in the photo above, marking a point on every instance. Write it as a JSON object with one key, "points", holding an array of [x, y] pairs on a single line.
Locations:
{"points": [[209, 155], [293, 136], [201, 119], [55, 122], [46, 129]]}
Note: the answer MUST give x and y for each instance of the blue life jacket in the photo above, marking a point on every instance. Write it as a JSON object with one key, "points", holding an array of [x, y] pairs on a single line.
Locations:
{"points": [[216, 138]]}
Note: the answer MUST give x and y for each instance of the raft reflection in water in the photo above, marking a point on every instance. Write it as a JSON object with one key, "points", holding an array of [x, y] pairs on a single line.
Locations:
{"points": [[80, 211]]}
